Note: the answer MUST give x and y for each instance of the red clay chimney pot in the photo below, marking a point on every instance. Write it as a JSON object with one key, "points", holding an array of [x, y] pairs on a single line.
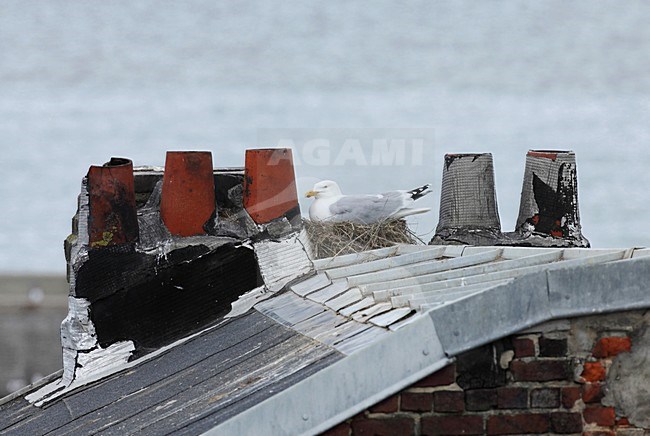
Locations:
{"points": [[270, 184], [188, 198]]}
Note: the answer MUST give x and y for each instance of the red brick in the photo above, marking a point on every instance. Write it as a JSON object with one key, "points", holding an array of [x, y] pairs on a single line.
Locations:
{"points": [[477, 368], [343, 429], [545, 398], [416, 402], [592, 392], [480, 399], [570, 395], [524, 347], [604, 416], [383, 426], [599, 433], [389, 405], [448, 401], [444, 377], [622, 421], [540, 370], [452, 425], [563, 422], [593, 371], [552, 347], [512, 398], [611, 346], [518, 424]]}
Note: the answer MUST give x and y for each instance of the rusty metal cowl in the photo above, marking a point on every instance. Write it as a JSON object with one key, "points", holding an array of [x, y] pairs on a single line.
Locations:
{"points": [[112, 216]]}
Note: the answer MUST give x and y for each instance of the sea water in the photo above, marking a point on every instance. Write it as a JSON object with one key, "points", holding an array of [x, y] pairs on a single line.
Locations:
{"points": [[83, 81]]}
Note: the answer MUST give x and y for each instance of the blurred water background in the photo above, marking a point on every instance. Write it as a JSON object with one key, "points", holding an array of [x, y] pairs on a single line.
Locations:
{"points": [[83, 81]]}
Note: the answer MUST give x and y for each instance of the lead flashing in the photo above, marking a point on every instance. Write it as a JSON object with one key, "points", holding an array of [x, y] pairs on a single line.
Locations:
{"points": [[492, 314], [585, 290], [282, 261]]}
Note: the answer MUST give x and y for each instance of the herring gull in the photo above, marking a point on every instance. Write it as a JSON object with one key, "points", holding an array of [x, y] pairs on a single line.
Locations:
{"points": [[332, 205]]}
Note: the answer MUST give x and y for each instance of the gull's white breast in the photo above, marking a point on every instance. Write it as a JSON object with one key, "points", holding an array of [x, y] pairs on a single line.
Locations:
{"points": [[320, 208]]}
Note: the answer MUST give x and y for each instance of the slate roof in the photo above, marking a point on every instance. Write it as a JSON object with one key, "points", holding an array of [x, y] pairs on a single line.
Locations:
{"points": [[186, 390], [324, 339]]}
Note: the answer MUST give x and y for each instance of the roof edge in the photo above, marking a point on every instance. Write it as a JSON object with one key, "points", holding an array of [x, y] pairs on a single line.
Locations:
{"points": [[31, 387], [316, 404], [379, 396]]}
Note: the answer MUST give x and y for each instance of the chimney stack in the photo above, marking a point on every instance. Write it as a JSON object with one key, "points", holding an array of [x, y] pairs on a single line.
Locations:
{"points": [[270, 185], [468, 203], [112, 218], [188, 198], [549, 199]]}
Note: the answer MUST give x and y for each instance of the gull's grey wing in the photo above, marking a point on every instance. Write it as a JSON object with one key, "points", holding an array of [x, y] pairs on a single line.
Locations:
{"points": [[367, 209]]}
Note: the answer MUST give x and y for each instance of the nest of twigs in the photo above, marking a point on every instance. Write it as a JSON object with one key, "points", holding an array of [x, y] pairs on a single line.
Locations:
{"points": [[334, 239]]}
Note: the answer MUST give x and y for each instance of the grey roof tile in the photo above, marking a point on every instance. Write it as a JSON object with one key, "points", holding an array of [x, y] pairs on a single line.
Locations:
{"points": [[383, 264], [371, 311], [344, 300], [289, 310], [416, 301], [421, 268], [317, 324], [364, 303], [339, 332], [355, 258], [311, 284], [328, 292], [464, 272], [391, 317]]}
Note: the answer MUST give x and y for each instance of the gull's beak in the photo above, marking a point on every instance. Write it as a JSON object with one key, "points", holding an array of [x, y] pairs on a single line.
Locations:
{"points": [[311, 194]]}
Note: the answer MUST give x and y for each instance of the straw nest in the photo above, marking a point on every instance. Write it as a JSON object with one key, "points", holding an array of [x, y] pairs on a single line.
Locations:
{"points": [[334, 239]]}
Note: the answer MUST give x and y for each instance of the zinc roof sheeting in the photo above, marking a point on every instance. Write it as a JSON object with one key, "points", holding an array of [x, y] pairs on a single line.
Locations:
{"points": [[392, 284]]}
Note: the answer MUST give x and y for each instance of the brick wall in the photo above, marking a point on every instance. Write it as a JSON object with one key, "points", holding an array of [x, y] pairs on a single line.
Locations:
{"points": [[551, 379]]}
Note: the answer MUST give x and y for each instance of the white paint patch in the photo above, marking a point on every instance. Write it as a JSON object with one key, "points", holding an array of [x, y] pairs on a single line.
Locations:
{"points": [[103, 360], [92, 366], [45, 391], [58, 388], [163, 406], [77, 331]]}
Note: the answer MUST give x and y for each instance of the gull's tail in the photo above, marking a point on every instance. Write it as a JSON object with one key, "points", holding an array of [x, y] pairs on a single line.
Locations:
{"points": [[420, 192], [408, 212]]}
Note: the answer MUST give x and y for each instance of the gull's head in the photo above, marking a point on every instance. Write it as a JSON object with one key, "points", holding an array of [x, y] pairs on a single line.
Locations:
{"points": [[324, 189]]}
